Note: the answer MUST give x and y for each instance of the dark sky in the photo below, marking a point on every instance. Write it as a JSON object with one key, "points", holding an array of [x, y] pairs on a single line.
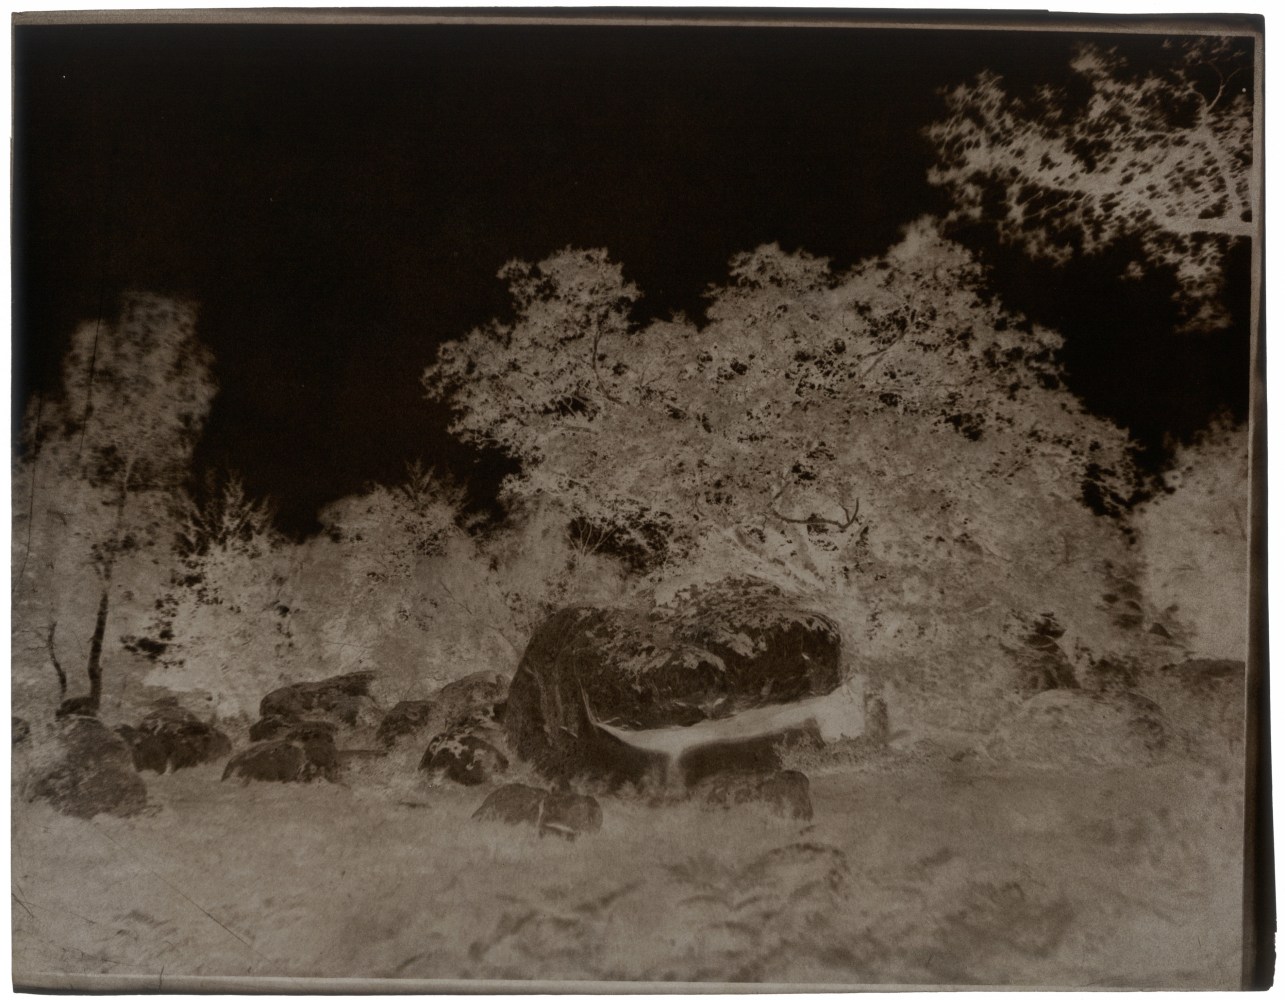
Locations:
{"points": [[338, 200]]}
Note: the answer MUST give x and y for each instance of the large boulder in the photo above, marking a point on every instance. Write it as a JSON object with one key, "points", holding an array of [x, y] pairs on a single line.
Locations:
{"points": [[1077, 727], [592, 676], [84, 769], [342, 699], [305, 752], [268, 760], [171, 737], [483, 691]]}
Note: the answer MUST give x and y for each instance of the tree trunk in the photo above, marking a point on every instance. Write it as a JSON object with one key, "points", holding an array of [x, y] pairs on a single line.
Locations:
{"points": [[53, 658], [96, 648], [100, 623]]}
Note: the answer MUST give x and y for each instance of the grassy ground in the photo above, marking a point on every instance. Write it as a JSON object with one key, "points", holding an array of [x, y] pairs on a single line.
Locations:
{"points": [[913, 871]]}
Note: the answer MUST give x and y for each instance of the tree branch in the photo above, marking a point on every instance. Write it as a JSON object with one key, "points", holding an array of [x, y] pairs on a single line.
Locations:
{"points": [[849, 517], [597, 336]]}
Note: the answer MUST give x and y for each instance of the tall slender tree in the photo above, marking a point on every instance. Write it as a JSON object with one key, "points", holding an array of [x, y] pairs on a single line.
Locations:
{"points": [[102, 466]]}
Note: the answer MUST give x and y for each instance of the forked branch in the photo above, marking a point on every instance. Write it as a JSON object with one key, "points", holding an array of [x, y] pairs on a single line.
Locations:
{"points": [[849, 516]]}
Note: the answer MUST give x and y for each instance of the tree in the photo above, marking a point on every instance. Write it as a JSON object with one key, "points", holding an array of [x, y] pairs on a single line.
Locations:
{"points": [[397, 579], [1195, 544], [883, 439], [1161, 156], [102, 465], [222, 621]]}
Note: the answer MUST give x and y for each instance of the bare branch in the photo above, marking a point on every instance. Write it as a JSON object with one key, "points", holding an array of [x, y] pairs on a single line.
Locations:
{"points": [[849, 517], [597, 336]]}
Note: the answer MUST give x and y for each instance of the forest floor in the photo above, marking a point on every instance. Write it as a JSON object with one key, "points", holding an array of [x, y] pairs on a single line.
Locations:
{"points": [[915, 870]]}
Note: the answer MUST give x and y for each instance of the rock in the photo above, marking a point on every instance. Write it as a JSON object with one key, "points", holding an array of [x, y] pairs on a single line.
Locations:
{"points": [[305, 752], [82, 706], [270, 760], [512, 804], [553, 813], [271, 728], [785, 793], [1076, 727], [276, 728], [568, 815], [464, 757], [1041, 663], [737, 646], [86, 769], [20, 730], [336, 699], [406, 718], [484, 690], [171, 738]]}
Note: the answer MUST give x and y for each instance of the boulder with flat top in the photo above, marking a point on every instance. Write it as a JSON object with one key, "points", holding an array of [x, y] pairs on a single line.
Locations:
{"points": [[622, 693]]}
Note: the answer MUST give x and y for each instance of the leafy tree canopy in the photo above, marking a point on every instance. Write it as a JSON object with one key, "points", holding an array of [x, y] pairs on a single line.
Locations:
{"points": [[1162, 157], [884, 431]]}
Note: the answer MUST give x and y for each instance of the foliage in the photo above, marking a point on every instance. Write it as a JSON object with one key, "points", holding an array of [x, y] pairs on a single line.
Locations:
{"points": [[227, 518], [1162, 157], [392, 582], [102, 464], [390, 528], [224, 622], [1195, 543], [882, 440]]}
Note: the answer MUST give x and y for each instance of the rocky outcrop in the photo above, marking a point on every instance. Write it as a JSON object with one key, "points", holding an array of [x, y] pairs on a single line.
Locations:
{"points": [[483, 691], [342, 700], [306, 752], [1077, 727], [84, 769], [560, 813], [171, 737], [592, 676]]}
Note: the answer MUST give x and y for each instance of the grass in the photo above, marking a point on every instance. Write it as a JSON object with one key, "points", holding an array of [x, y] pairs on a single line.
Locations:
{"points": [[959, 872]]}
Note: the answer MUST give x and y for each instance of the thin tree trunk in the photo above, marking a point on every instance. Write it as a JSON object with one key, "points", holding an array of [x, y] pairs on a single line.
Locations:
{"points": [[100, 622], [53, 658], [96, 647]]}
